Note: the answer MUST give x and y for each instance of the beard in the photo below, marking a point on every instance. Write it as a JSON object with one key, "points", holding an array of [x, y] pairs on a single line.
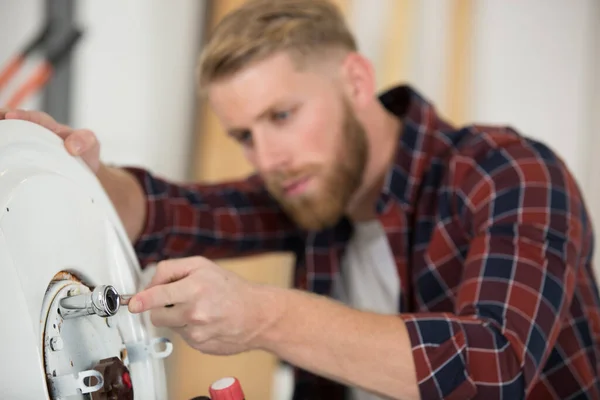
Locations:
{"points": [[336, 184]]}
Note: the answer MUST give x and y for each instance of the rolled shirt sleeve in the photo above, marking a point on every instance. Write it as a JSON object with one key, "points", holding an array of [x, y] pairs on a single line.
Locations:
{"points": [[522, 212]]}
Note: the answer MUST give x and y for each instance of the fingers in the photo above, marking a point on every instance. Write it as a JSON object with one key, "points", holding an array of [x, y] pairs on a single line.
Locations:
{"points": [[169, 317], [172, 270], [37, 117], [77, 142], [81, 141], [160, 296], [168, 285]]}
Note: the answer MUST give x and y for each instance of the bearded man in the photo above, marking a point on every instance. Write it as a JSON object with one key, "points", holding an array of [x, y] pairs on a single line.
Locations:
{"points": [[432, 261]]}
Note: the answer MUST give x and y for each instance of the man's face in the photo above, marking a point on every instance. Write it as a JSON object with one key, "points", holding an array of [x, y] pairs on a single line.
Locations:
{"points": [[299, 131]]}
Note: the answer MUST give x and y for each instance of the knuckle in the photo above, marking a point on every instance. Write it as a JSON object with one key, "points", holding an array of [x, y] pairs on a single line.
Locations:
{"points": [[154, 318], [199, 261], [87, 137], [170, 294], [197, 336], [195, 315], [161, 269], [43, 119], [196, 291]]}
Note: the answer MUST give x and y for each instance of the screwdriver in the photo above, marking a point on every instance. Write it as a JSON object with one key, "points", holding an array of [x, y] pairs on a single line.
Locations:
{"points": [[125, 298]]}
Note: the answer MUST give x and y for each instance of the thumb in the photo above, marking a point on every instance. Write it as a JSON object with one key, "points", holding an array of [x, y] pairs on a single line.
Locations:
{"points": [[172, 270]]}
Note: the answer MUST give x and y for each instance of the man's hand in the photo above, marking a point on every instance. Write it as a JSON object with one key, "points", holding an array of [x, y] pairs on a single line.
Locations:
{"points": [[78, 142], [217, 312], [213, 309]]}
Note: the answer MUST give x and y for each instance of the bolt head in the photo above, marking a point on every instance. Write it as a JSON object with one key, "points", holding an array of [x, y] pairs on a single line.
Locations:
{"points": [[56, 343]]}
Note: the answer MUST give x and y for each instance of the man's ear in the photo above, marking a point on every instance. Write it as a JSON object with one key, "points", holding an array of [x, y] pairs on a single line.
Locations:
{"points": [[358, 76]]}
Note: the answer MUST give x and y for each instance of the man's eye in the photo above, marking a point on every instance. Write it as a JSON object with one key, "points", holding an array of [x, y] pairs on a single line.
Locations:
{"points": [[245, 137], [281, 116]]}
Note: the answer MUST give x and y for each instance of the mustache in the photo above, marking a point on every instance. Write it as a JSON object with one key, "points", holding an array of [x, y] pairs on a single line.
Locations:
{"points": [[280, 176]]}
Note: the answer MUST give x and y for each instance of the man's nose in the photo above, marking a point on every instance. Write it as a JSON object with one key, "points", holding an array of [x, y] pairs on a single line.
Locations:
{"points": [[271, 154]]}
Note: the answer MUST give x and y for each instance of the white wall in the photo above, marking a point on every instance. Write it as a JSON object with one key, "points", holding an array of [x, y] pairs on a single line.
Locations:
{"points": [[592, 161], [368, 24], [19, 22], [134, 80], [533, 68], [428, 58]]}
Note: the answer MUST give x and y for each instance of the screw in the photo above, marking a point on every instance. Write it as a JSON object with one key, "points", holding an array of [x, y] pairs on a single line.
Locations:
{"points": [[56, 343]]}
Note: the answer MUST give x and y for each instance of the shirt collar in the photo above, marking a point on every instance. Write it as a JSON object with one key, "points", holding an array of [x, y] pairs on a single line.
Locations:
{"points": [[416, 145]]}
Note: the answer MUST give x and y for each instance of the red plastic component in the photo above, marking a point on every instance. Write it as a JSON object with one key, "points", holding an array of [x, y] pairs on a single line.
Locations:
{"points": [[127, 380], [228, 388]]}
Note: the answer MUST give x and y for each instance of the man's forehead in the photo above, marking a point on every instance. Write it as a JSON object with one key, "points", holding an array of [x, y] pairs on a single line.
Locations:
{"points": [[236, 107], [266, 84]]}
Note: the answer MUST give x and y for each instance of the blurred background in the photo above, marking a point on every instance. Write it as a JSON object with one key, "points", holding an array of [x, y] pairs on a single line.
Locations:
{"points": [[532, 64]]}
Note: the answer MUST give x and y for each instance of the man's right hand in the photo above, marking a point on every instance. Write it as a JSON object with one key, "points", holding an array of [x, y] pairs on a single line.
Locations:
{"points": [[78, 142]]}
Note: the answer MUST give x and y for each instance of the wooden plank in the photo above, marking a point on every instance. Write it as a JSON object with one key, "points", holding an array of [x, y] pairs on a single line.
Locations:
{"points": [[397, 37], [459, 65]]}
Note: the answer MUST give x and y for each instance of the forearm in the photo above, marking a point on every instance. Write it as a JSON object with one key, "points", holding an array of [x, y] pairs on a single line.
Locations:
{"points": [[166, 219], [127, 196], [355, 348]]}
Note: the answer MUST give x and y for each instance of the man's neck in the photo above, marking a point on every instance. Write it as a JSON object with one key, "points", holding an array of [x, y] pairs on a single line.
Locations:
{"points": [[383, 131]]}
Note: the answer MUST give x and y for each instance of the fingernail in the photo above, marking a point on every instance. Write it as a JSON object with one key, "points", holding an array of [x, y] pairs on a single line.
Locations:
{"points": [[135, 306]]}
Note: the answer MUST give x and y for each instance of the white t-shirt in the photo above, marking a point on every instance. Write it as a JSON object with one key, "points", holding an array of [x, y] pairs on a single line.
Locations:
{"points": [[369, 279]]}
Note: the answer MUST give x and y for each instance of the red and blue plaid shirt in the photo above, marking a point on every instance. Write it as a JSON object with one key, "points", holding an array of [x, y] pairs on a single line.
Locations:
{"points": [[493, 247]]}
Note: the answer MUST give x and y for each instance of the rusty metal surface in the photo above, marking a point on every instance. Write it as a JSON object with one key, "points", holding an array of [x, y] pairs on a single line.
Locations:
{"points": [[65, 276]]}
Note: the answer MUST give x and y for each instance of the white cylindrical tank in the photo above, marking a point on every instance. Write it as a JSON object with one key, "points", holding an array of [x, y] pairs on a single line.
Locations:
{"points": [[60, 237]]}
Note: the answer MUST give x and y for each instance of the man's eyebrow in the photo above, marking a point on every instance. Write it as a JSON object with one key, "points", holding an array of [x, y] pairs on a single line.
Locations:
{"points": [[268, 110], [275, 105], [261, 115]]}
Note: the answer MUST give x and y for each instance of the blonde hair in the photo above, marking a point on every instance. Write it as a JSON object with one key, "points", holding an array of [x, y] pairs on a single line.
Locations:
{"points": [[261, 28]]}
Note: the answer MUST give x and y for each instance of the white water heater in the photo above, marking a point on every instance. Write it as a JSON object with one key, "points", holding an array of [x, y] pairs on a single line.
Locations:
{"points": [[64, 260]]}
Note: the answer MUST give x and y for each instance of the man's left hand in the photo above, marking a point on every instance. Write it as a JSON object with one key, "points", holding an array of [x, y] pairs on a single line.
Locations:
{"points": [[213, 309]]}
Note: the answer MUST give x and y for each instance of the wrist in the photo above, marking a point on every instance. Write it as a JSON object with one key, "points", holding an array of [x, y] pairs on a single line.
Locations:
{"points": [[271, 305], [127, 195], [110, 177], [103, 171]]}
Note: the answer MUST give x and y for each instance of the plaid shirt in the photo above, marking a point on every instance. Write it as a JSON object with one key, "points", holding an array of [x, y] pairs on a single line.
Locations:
{"points": [[493, 247]]}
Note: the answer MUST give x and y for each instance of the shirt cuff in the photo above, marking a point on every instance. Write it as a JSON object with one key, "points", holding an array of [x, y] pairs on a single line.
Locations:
{"points": [[439, 348]]}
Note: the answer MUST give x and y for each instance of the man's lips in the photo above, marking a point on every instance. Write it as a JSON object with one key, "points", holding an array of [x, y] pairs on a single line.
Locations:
{"points": [[296, 186]]}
